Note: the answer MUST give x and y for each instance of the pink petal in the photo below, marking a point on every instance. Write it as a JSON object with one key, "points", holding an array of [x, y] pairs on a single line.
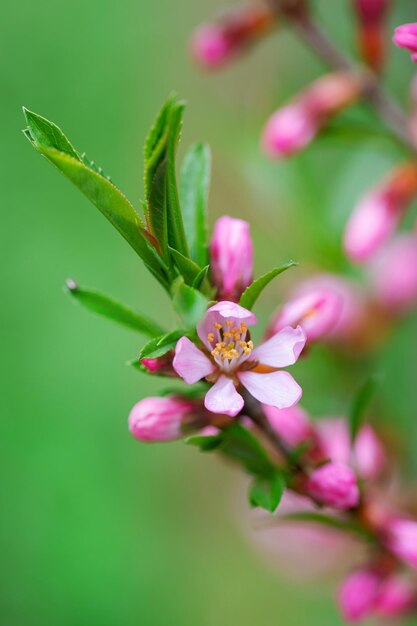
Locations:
{"points": [[223, 398], [282, 349], [277, 389], [190, 363], [219, 313]]}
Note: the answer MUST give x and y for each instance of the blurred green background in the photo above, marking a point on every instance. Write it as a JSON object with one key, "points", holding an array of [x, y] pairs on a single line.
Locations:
{"points": [[96, 528]]}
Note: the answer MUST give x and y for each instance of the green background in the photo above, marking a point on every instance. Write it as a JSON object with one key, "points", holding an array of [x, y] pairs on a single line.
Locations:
{"points": [[96, 528]]}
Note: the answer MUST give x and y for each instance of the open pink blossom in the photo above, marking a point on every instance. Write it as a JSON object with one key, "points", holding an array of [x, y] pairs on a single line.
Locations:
{"points": [[231, 255], [334, 484], [405, 36], [395, 274], [316, 312], [402, 539], [230, 360]]}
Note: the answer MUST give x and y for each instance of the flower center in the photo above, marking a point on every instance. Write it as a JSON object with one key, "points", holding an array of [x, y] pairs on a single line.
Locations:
{"points": [[231, 344]]}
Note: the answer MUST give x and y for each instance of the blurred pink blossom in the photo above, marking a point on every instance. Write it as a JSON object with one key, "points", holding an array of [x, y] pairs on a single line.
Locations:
{"points": [[334, 484], [405, 36], [395, 274], [402, 539], [292, 424], [358, 594]]}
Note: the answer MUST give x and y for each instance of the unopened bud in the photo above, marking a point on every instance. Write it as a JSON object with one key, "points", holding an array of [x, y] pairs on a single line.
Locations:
{"points": [[358, 594], [214, 44], [296, 124], [371, 15], [291, 425], [160, 366], [377, 215], [231, 255], [405, 36], [160, 419], [334, 484], [402, 539]]}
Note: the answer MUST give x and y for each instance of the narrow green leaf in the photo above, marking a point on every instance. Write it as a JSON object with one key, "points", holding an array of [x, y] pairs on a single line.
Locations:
{"points": [[107, 307], [267, 493], [240, 445], [49, 140], [189, 303], [337, 523], [161, 345], [252, 293], [155, 145], [43, 132], [187, 268], [201, 277], [360, 405], [194, 189], [206, 443], [157, 208], [177, 238]]}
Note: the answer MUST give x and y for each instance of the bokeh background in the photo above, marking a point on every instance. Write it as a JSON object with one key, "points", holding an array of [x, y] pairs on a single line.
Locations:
{"points": [[96, 528]]}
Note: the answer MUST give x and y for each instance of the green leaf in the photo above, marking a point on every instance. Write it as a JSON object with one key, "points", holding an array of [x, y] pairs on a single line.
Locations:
{"points": [[101, 192], [187, 268], [189, 303], [163, 211], [201, 277], [360, 405], [43, 132], [107, 307], [252, 293], [206, 443], [337, 523], [194, 189], [161, 345], [240, 445], [267, 493]]}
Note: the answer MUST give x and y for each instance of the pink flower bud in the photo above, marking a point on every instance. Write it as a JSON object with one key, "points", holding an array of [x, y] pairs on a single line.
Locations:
{"points": [[161, 366], [159, 419], [292, 425], [316, 312], [367, 457], [215, 44], [231, 253], [334, 485], [377, 215], [402, 539], [371, 16], [295, 125], [396, 597], [358, 595], [405, 36], [395, 274]]}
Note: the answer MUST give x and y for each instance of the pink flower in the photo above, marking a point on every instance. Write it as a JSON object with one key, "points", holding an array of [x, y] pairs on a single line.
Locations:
{"points": [[316, 312], [161, 366], [405, 36], [377, 215], [367, 457], [215, 44], [159, 419], [358, 594], [292, 424], [231, 253], [295, 125], [395, 274], [230, 360], [402, 539], [334, 485]]}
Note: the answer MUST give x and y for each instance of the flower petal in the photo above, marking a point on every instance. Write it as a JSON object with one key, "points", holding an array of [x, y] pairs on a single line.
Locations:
{"points": [[282, 349], [219, 313], [277, 389], [190, 363], [223, 398]]}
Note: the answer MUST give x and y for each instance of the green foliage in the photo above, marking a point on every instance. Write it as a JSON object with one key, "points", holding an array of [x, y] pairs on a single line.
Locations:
{"points": [[107, 307], [194, 190], [161, 345], [360, 405], [252, 293], [49, 140], [267, 492], [189, 303]]}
